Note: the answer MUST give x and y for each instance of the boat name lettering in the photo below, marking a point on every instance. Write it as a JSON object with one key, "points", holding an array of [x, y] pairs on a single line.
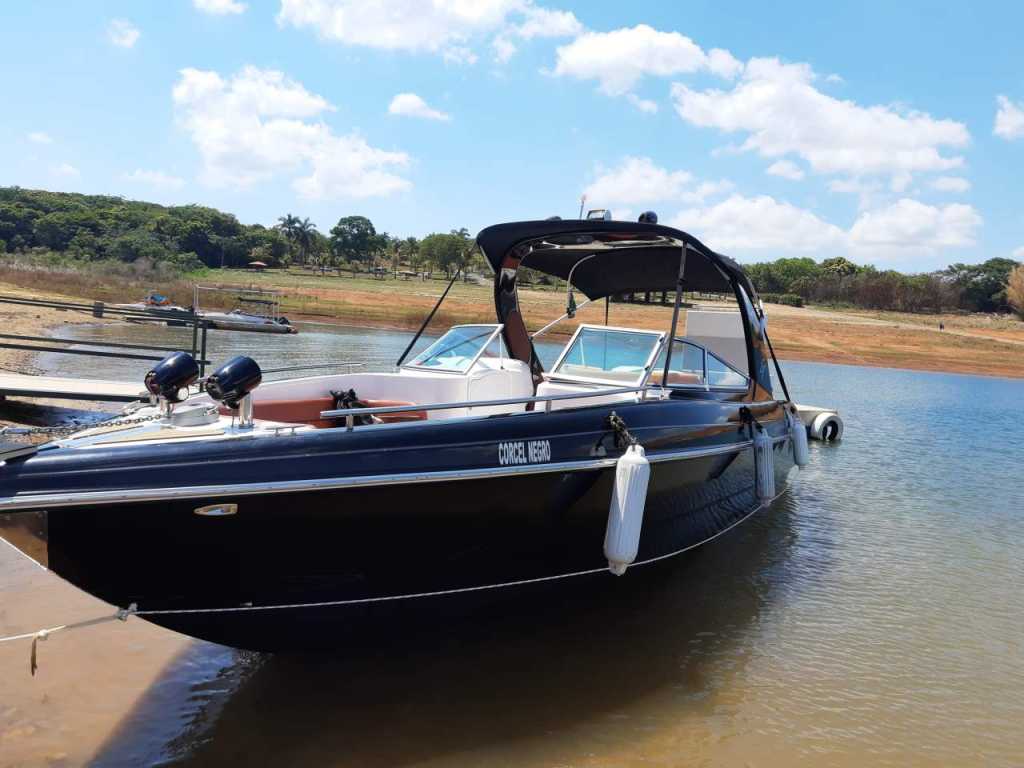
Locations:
{"points": [[524, 452]]}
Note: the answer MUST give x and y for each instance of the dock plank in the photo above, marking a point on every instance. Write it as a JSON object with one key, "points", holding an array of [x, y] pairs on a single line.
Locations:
{"points": [[24, 385]]}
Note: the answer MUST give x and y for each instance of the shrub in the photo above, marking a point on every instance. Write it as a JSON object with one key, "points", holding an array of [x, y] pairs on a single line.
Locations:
{"points": [[1015, 290], [789, 299]]}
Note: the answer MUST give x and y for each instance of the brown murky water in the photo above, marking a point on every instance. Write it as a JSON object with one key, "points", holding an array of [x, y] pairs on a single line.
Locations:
{"points": [[874, 616]]}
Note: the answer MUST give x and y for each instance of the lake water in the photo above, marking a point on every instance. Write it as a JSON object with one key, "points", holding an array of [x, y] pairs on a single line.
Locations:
{"points": [[873, 616]]}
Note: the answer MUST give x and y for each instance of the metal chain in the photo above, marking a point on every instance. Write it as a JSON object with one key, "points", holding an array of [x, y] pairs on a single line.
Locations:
{"points": [[622, 434], [68, 429]]}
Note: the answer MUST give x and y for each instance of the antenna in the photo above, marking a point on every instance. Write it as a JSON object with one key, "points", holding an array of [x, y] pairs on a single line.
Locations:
{"points": [[583, 201]]}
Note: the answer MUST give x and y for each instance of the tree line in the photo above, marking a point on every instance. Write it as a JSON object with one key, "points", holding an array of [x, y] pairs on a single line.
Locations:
{"points": [[355, 241], [190, 237], [985, 287]]}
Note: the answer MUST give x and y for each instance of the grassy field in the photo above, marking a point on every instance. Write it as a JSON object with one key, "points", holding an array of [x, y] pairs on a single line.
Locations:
{"points": [[983, 344]]}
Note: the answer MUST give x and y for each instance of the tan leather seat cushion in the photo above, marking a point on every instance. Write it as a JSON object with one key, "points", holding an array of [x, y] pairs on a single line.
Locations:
{"points": [[308, 411], [676, 378]]}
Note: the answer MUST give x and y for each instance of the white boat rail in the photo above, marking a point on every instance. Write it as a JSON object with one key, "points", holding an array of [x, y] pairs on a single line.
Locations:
{"points": [[349, 414], [318, 366]]}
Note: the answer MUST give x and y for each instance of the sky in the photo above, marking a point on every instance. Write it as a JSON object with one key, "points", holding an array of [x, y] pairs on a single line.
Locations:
{"points": [[888, 133]]}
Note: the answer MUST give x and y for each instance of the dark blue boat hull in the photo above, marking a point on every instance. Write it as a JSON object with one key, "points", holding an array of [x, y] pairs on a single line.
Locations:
{"points": [[338, 516]]}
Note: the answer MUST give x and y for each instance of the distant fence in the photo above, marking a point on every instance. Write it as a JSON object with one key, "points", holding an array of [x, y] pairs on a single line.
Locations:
{"points": [[181, 318]]}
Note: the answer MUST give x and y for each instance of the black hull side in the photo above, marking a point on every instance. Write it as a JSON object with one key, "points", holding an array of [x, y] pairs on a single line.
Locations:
{"points": [[381, 512], [385, 541]]}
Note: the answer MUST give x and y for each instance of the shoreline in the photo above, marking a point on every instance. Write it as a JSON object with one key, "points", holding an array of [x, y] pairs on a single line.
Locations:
{"points": [[970, 345]]}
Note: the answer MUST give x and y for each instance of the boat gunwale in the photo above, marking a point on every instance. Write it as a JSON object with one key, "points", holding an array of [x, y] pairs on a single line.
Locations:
{"points": [[85, 498]]}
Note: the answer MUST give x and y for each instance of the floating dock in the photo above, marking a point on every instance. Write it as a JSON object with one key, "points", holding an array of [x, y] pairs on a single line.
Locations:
{"points": [[22, 385]]}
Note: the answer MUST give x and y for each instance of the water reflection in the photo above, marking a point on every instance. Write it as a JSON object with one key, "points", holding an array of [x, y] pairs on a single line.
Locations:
{"points": [[586, 664], [873, 618]]}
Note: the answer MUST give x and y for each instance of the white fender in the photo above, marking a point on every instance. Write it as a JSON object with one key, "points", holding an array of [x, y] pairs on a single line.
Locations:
{"points": [[801, 453], [626, 515], [827, 426], [764, 459]]}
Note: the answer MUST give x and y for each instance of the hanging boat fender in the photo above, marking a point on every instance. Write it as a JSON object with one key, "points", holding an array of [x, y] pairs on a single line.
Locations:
{"points": [[798, 432], [629, 496], [764, 456], [764, 460]]}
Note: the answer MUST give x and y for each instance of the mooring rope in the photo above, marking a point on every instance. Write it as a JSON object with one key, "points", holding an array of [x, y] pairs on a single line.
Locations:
{"points": [[43, 634]]}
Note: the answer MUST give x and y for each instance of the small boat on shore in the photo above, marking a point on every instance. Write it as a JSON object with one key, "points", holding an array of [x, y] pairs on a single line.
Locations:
{"points": [[269, 320], [153, 303], [267, 516], [240, 320]]}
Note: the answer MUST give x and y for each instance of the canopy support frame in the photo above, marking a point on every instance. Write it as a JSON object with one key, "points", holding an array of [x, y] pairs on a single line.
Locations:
{"points": [[675, 313]]}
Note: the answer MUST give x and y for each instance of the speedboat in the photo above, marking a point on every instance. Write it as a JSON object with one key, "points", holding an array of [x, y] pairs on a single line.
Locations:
{"points": [[263, 515], [240, 320], [154, 302]]}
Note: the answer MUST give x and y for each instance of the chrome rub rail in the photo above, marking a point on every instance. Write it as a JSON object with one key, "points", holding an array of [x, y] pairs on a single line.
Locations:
{"points": [[138, 495]]}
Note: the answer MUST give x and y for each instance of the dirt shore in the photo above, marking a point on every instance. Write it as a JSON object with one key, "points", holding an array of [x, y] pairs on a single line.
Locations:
{"points": [[35, 321], [973, 344]]}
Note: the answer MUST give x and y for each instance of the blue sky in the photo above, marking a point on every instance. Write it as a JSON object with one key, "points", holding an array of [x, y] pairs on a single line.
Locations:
{"points": [[890, 133]]}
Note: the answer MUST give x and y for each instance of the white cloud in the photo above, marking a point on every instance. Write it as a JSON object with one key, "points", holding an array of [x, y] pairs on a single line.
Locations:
{"points": [[1019, 253], [65, 170], [157, 179], [781, 112], [459, 54], [408, 25], [764, 223], [951, 184], [39, 137], [638, 181], [544, 22], [912, 225], [219, 7], [786, 170], [411, 105], [257, 124], [644, 105], [619, 59], [759, 223], [1009, 119], [123, 33], [445, 27], [504, 49]]}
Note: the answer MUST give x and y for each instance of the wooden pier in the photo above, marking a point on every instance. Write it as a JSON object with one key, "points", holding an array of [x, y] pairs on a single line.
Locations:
{"points": [[62, 388]]}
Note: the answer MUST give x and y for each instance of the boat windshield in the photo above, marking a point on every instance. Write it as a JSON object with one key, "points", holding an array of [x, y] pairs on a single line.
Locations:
{"points": [[459, 349], [620, 356]]}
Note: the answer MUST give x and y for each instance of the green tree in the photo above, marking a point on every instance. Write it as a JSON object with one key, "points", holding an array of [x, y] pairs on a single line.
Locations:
{"points": [[839, 267], [353, 238], [445, 252], [983, 286], [299, 233], [1015, 290]]}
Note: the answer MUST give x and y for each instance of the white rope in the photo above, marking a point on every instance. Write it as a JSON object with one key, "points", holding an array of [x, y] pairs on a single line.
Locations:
{"points": [[43, 634]]}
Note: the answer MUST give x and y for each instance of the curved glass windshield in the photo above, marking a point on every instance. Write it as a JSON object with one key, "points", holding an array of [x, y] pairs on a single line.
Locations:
{"points": [[458, 349], [605, 354]]}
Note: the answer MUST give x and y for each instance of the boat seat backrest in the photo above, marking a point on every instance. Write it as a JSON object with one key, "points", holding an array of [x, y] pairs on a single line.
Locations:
{"points": [[490, 379], [676, 379], [548, 387]]}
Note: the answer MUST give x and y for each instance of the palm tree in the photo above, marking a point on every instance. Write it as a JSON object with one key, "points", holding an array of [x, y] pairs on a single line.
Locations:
{"points": [[299, 232], [305, 231], [410, 247]]}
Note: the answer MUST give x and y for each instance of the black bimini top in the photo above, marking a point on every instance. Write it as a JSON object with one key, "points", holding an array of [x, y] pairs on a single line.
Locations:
{"points": [[601, 258]]}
